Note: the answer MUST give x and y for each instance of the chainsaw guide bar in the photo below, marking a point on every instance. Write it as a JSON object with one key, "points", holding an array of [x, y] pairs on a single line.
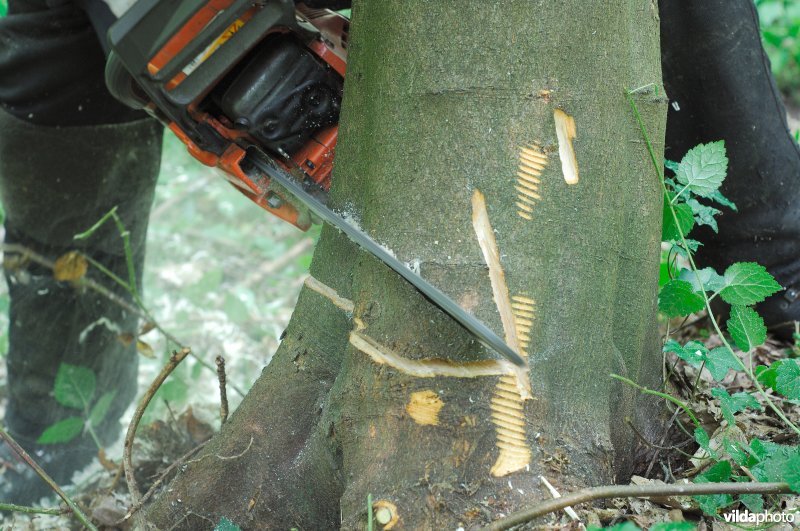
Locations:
{"points": [[482, 333]]}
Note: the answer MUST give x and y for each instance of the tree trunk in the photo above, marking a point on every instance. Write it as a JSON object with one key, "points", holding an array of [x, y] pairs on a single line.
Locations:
{"points": [[503, 123]]}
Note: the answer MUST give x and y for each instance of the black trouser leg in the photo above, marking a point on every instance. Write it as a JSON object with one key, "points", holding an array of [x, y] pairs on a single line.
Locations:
{"points": [[718, 80], [68, 154]]}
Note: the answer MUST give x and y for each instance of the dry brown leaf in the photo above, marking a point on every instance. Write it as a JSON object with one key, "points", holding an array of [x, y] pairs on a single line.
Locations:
{"points": [[125, 338], [146, 327], [70, 267], [145, 349]]}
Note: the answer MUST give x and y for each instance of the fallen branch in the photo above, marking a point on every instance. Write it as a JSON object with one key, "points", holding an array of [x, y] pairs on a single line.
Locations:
{"points": [[20, 451], [634, 491], [174, 360]]}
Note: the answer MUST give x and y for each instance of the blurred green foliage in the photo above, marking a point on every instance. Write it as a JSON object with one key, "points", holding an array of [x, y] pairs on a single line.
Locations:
{"points": [[780, 28], [3, 8]]}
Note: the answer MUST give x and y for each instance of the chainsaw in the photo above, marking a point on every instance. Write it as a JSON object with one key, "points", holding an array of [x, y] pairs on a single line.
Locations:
{"points": [[254, 88]]}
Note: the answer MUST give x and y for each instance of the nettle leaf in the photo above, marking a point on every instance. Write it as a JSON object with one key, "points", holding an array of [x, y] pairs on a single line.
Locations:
{"points": [[704, 215], [62, 431], [720, 199], [787, 381], [703, 168], [733, 404], [74, 386], [100, 409], [768, 375], [694, 352], [783, 464], [763, 449], [792, 472], [685, 220], [719, 361], [747, 283], [753, 502], [677, 298], [702, 438], [712, 503], [746, 328], [671, 165], [710, 279]]}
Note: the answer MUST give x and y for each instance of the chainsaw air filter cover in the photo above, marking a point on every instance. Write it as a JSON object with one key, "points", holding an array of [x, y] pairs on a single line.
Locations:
{"points": [[280, 94]]}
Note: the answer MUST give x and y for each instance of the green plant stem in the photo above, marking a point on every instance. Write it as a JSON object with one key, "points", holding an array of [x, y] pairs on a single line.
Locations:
{"points": [[369, 512], [778, 411], [659, 394], [20, 451], [634, 491], [10, 507]]}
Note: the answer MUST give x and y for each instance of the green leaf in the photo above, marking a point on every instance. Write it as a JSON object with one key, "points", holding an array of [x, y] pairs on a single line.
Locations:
{"points": [[694, 353], [235, 309], [226, 525], [100, 408], [764, 449], [673, 526], [702, 438], [787, 381], [753, 502], [704, 215], [733, 404], [62, 431], [74, 386], [792, 472], [719, 361], [746, 328], [747, 283], [768, 375], [669, 229], [703, 168], [720, 199], [677, 298], [672, 165], [712, 503], [710, 280]]}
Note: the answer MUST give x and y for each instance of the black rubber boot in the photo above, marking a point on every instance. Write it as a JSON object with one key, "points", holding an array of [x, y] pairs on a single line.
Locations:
{"points": [[719, 83], [57, 182]]}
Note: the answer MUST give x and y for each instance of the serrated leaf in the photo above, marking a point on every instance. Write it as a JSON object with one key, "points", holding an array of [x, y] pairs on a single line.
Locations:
{"points": [[733, 404], [787, 381], [703, 168], [694, 353], [763, 449], [753, 502], [70, 266], [710, 279], [747, 283], [719, 361], [792, 473], [62, 431], [704, 215], [702, 438], [746, 328], [100, 408], [712, 503], [74, 386], [685, 217], [226, 525], [671, 165], [720, 199], [768, 375], [677, 299]]}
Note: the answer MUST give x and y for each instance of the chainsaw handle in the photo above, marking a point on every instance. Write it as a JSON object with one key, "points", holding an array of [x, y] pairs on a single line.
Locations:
{"points": [[121, 84]]}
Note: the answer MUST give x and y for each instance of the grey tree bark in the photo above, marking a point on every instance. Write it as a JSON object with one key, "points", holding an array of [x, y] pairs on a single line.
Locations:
{"points": [[503, 123]]}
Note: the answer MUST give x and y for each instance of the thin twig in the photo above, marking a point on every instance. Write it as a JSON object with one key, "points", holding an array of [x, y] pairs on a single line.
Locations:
{"points": [[147, 495], [20, 451], [174, 361], [10, 507], [634, 491], [223, 393]]}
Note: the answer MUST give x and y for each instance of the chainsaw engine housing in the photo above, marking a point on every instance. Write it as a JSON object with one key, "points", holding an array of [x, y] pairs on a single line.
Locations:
{"points": [[226, 75]]}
